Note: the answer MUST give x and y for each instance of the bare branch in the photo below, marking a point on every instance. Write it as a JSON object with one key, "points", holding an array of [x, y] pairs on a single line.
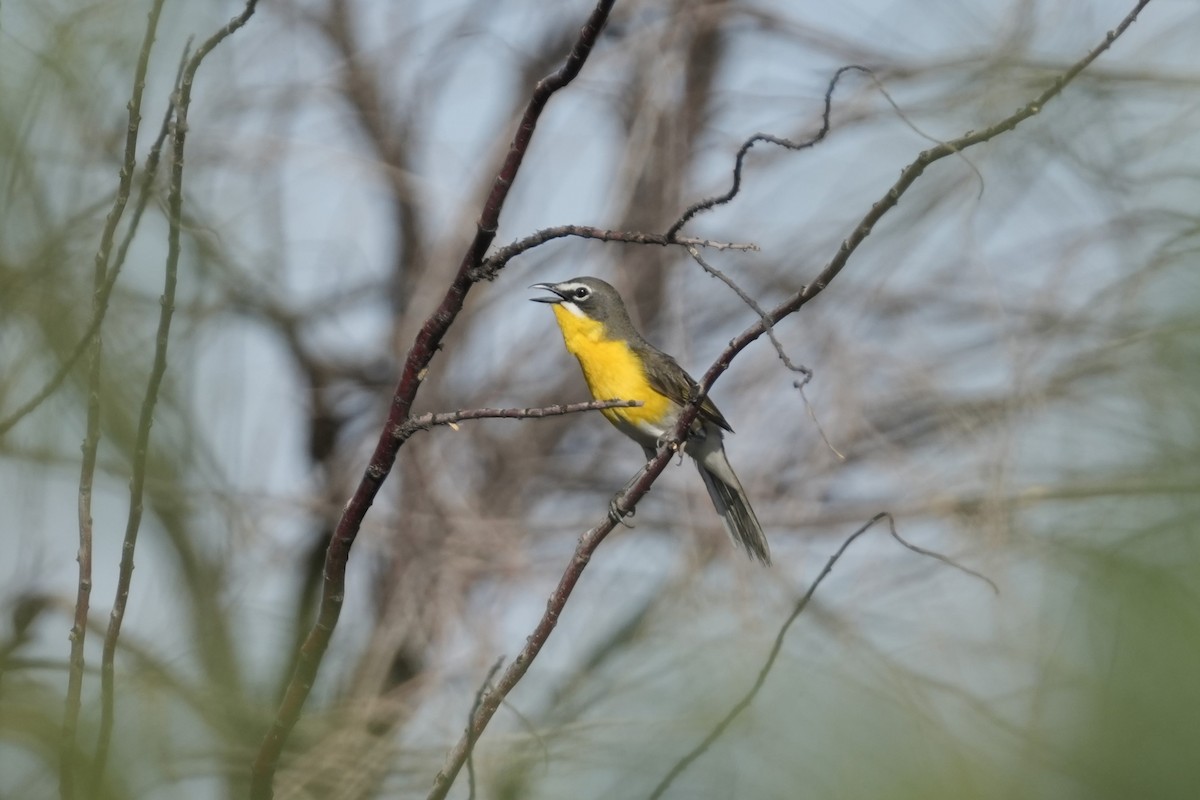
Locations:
{"points": [[691, 241], [499, 258], [588, 543], [427, 421], [753, 304], [805, 373], [907, 177], [719, 200], [950, 562]]}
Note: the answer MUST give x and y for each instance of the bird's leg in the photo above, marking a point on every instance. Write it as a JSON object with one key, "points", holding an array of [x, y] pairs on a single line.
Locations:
{"points": [[614, 513], [665, 441], [697, 432]]}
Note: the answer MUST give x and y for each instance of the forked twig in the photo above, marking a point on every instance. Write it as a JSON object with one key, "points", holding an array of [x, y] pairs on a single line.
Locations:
{"points": [[806, 374], [487, 681]]}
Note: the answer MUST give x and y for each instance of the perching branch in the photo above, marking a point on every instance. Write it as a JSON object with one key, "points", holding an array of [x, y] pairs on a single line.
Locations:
{"points": [[627, 501], [137, 480], [426, 344]]}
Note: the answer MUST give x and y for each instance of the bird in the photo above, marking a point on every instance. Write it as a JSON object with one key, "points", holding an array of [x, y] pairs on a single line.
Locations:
{"points": [[619, 364]]}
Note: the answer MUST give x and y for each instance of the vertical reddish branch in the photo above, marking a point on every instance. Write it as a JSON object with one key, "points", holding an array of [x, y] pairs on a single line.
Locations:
{"points": [[427, 342]]}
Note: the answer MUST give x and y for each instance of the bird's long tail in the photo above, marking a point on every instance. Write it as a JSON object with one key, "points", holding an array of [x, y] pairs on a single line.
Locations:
{"points": [[732, 504]]}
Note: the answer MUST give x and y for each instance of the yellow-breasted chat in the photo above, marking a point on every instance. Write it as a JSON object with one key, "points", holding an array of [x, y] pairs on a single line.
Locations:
{"points": [[618, 364]]}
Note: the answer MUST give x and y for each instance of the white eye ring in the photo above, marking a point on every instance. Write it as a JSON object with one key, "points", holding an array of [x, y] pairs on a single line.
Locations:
{"points": [[581, 293]]}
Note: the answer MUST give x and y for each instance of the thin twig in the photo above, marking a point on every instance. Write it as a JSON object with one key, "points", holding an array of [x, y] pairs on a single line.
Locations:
{"points": [[805, 372], [748, 698], [950, 562], [427, 342], [710, 203], [427, 421], [501, 256], [709, 244], [83, 594], [812, 414], [753, 304], [776, 647], [917, 130], [150, 398], [91, 442], [487, 681], [626, 501]]}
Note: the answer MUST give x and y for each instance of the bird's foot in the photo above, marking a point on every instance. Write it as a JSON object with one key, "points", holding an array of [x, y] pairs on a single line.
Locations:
{"points": [[676, 447], [616, 514]]}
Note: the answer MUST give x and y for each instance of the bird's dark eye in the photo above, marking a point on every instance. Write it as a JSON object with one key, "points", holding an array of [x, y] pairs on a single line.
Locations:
{"points": [[582, 293]]}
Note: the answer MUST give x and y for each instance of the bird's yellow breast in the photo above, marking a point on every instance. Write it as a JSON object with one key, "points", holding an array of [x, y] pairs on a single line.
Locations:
{"points": [[612, 371]]}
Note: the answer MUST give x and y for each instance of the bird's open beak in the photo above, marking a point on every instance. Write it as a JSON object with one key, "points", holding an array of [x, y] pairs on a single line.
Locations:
{"points": [[557, 297]]}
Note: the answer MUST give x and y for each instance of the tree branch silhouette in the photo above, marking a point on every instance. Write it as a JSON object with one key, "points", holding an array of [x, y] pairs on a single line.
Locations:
{"points": [[426, 344], [625, 502]]}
